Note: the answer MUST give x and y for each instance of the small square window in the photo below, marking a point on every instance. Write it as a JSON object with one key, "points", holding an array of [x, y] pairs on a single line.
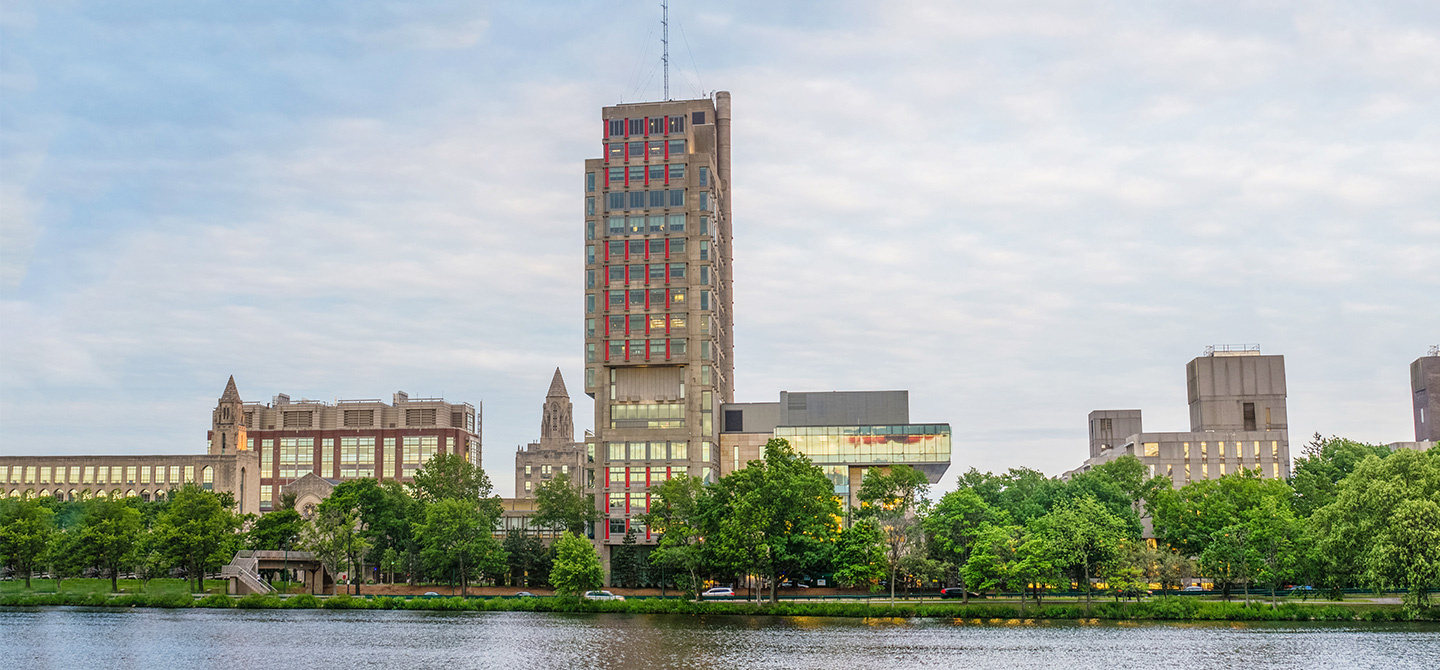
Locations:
{"points": [[697, 118]]}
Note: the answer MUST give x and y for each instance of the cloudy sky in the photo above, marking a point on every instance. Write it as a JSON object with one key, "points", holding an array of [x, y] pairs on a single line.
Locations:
{"points": [[1019, 211]]}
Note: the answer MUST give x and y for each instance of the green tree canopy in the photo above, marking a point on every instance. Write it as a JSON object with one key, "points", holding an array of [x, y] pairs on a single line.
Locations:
{"points": [[458, 540], [26, 527], [109, 535], [197, 532], [559, 503], [1085, 537], [1325, 463], [859, 558], [577, 568], [675, 515], [956, 522], [276, 530]]}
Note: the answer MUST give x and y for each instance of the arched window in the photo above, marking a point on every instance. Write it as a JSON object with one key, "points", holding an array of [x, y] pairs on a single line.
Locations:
{"points": [[73, 495], [145, 495], [130, 493], [207, 478], [14, 493], [43, 493]]}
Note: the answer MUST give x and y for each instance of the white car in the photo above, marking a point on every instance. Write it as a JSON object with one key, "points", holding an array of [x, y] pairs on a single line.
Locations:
{"points": [[602, 595], [719, 592]]}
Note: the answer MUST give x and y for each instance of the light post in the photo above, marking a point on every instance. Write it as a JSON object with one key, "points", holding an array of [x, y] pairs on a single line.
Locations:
{"points": [[285, 573]]}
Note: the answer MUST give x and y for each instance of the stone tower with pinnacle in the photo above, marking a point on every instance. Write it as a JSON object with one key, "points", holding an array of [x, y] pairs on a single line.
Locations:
{"points": [[557, 425], [227, 422]]}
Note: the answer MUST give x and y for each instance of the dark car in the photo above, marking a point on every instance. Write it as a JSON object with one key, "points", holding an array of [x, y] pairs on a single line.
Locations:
{"points": [[957, 592]]}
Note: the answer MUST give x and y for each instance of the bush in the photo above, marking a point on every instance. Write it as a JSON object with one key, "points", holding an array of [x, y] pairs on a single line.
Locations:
{"points": [[346, 601], [216, 600], [259, 601], [387, 603], [302, 601]]}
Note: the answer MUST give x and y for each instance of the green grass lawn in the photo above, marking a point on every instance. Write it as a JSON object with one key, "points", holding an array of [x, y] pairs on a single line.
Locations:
{"points": [[156, 587]]}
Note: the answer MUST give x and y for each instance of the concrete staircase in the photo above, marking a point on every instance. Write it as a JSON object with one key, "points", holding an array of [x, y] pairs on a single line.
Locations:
{"points": [[243, 576]]}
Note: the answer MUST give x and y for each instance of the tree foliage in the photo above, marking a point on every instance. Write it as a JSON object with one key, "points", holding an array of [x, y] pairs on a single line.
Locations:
{"points": [[562, 504], [577, 568]]}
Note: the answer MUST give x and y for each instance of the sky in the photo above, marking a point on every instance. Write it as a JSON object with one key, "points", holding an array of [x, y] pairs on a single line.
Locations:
{"points": [[1018, 211]]}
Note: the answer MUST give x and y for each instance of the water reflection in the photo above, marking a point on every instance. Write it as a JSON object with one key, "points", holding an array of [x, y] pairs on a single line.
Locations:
{"points": [[80, 638]]}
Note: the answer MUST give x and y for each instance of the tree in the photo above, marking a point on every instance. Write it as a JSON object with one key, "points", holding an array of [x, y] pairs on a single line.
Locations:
{"points": [[1375, 529], [528, 558], [577, 568], [450, 477], [26, 527], [675, 515], [1326, 462], [890, 496], [1188, 518], [991, 557], [1227, 559], [109, 535], [558, 503], [1035, 565], [627, 562], [335, 536], [277, 530], [1273, 543], [456, 537], [860, 555], [785, 509], [197, 532], [955, 523], [1085, 537]]}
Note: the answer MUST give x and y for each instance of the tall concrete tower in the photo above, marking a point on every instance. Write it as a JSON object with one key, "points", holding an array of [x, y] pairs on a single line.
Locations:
{"points": [[657, 313], [1425, 389]]}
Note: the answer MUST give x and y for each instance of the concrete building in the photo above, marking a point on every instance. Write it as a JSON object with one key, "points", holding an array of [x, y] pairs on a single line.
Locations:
{"points": [[349, 439], [556, 452], [846, 433], [657, 309], [1425, 393], [149, 477], [1237, 420]]}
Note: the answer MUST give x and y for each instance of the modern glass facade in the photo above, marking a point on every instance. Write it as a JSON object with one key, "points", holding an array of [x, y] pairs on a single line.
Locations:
{"points": [[871, 445]]}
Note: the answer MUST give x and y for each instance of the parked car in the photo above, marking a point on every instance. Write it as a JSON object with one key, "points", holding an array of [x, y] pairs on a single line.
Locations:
{"points": [[957, 592], [1304, 590], [524, 594], [1193, 588], [793, 585], [719, 592], [602, 595]]}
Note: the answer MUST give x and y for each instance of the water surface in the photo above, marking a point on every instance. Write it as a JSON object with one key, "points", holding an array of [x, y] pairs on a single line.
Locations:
{"points": [[81, 638]]}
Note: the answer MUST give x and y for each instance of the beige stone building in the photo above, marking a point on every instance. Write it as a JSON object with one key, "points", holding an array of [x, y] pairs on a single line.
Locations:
{"points": [[556, 452]]}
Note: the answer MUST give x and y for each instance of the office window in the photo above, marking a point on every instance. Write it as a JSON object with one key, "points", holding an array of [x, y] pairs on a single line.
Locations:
{"points": [[657, 198], [1204, 450], [637, 201], [637, 174], [637, 476], [704, 201], [614, 201], [704, 300], [1274, 449], [617, 504], [657, 348], [617, 126], [1257, 452], [589, 254], [1205, 470], [657, 272], [637, 149], [677, 348], [705, 378], [677, 223], [657, 172], [637, 127], [677, 297], [704, 274], [677, 271], [1275, 470], [1221, 447], [656, 151], [266, 496], [616, 151], [657, 247], [677, 171], [590, 352], [1152, 449], [590, 303], [704, 250], [638, 504], [617, 526], [637, 450], [615, 175], [677, 148], [589, 181], [677, 247], [590, 224], [677, 197], [680, 451], [704, 176], [704, 225], [656, 125], [677, 124], [528, 485]]}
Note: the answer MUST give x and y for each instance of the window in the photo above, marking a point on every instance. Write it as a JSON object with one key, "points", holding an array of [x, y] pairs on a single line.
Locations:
{"points": [[677, 124], [590, 224], [527, 486], [617, 526], [704, 274], [677, 297], [656, 151], [680, 450], [656, 125], [704, 201], [677, 247], [616, 450], [638, 504], [637, 477], [589, 182], [617, 504], [657, 322], [656, 223], [657, 172], [590, 352], [637, 151], [616, 151], [614, 202], [590, 207], [617, 126], [637, 173], [657, 272], [1152, 449], [637, 449], [637, 201], [657, 198], [637, 273], [1249, 415], [614, 175], [546, 471], [705, 375], [704, 225], [677, 171], [637, 126], [617, 274], [657, 348], [589, 254], [704, 300], [677, 148], [677, 197], [704, 250], [589, 279], [704, 176], [590, 303], [677, 270], [677, 348], [657, 247], [266, 496]]}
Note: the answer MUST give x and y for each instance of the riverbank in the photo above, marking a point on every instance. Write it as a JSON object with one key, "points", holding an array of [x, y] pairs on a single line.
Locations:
{"points": [[1158, 609]]}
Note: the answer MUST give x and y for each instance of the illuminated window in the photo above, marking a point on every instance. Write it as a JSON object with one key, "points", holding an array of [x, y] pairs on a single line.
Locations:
{"points": [[1152, 449], [266, 496], [1205, 470]]}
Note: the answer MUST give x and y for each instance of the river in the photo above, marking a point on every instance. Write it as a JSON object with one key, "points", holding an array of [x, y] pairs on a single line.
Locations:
{"points": [[157, 639]]}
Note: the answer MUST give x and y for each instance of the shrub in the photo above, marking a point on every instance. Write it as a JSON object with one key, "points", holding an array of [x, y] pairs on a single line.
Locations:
{"points": [[259, 601], [346, 601], [216, 600], [302, 601]]}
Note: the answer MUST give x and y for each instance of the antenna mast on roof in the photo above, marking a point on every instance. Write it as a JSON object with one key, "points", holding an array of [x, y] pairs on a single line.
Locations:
{"points": [[665, 41]]}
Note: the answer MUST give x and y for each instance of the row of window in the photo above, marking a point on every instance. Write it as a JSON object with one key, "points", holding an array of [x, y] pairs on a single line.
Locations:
{"points": [[650, 125], [357, 455], [86, 494], [622, 200], [617, 226], [641, 299], [547, 471], [103, 474], [653, 349], [653, 451], [1205, 470]]}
